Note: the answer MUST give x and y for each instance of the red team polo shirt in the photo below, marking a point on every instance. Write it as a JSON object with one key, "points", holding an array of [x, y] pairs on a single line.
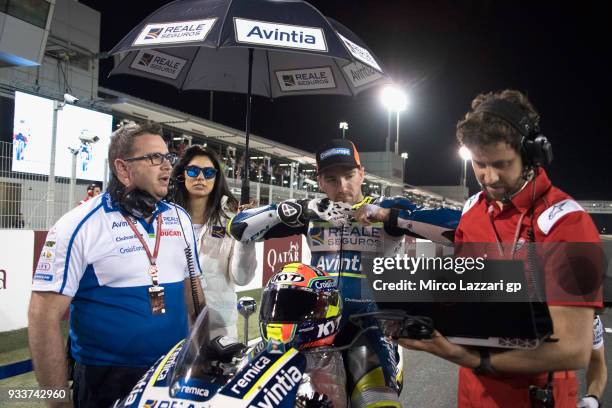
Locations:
{"points": [[556, 218]]}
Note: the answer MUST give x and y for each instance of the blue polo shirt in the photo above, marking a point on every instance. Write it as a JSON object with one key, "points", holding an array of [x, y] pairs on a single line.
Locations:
{"points": [[92, 255]]}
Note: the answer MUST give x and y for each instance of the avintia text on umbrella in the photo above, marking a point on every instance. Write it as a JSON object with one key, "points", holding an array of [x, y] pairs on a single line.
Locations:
{"points": [[280, 35]]}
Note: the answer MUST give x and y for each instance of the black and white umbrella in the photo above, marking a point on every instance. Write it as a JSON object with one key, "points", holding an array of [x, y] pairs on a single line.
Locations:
{"points": [[271, 48]]}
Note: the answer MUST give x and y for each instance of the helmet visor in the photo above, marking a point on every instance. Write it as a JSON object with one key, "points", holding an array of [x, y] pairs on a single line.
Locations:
{"points": [[294, 305]]}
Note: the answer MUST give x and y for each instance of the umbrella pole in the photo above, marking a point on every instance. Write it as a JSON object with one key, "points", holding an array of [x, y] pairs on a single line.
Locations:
{"points": [[244, 191]]}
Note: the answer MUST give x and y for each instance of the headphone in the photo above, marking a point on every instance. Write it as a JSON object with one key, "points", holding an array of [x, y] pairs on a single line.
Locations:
{"points": [[138, 202], [535, 148], [135, 201]]}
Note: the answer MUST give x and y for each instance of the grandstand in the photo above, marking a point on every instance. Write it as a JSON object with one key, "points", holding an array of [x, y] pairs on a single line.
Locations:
{"points": [[299, 166]]}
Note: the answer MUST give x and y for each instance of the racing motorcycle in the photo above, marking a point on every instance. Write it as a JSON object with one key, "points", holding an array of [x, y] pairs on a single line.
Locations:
{"points": [[200, 372]]}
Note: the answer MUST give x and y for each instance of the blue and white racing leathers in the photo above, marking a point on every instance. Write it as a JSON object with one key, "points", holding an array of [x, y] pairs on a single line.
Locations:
{"points": [[348, 252]]}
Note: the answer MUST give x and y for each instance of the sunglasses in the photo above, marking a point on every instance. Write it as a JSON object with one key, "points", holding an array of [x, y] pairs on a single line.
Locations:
{"points": [[194, 171]]}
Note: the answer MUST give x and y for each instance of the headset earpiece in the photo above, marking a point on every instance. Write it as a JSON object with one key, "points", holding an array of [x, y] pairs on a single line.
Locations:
{"points": [[137, 202], [536, 149]]}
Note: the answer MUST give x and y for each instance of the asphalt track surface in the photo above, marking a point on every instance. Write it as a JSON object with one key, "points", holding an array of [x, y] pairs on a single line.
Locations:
{"points": [[432, 382]]}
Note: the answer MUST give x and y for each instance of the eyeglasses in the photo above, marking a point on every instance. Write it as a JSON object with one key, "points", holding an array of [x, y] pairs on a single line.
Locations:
{"points": [[194, 171], [156, 159]]}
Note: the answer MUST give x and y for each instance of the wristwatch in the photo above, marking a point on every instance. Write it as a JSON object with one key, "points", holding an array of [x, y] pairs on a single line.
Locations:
{"points": [[485, 366]]}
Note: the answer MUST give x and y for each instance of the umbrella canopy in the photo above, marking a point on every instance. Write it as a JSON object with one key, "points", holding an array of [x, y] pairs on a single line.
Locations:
{"points": [[271, 48]]}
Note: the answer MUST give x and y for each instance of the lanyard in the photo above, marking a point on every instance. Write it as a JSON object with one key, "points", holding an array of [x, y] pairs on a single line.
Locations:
{"points": [[152, 258], [517, 232]]}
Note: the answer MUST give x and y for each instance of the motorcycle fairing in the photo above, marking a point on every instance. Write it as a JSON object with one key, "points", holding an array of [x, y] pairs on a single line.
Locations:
{"points": [[269, 380]]}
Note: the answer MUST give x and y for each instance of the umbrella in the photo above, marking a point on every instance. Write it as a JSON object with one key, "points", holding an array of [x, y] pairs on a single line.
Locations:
{"points": [[271, 48]]}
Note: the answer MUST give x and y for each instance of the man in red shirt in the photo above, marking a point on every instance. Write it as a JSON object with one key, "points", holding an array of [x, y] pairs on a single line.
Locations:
{"points": [[518, 204], [92, 190]]}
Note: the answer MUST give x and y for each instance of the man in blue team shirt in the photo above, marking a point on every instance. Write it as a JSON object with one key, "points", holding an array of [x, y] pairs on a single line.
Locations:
{"points": [[118, 261]]}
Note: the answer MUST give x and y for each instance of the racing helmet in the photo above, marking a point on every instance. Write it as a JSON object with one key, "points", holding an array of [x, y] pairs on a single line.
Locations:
{"points": [[300, 307]]}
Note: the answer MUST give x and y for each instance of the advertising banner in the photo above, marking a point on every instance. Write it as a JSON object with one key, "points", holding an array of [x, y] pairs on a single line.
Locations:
{"points": [[15, 278], [278, 252]]}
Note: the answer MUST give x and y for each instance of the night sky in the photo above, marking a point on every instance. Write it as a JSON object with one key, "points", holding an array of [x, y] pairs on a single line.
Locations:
{"points": [[444, 53]]}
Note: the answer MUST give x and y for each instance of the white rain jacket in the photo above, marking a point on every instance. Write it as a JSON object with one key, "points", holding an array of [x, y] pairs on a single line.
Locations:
{"points": [[225, 263]]}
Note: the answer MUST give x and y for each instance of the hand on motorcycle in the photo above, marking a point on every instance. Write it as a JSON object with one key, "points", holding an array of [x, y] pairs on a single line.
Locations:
{"points": [[441, 347]]}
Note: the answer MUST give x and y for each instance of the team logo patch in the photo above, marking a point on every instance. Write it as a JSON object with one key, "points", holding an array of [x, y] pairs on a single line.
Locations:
{"points": [[548, 219], [360, 74], [288, 210], [175, 32], [43, 277], [322, 284], [360, 53], [306, 79], [217, 231], [153, 33], [331, 262], [288, 81], [145, 59], [336, 151], [158, 63], [279, 35], [556, 209]]}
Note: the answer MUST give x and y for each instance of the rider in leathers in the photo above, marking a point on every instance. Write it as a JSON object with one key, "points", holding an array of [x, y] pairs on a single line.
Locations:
{"points": [[346, 248]]}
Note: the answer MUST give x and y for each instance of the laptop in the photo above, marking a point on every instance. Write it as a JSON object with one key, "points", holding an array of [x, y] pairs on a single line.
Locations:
{"points": [[499, 325], [486, 323]]}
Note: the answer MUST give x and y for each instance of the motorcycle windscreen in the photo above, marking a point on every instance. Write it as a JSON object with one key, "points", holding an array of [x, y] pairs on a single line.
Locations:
{"points": [[294, 305], [192, 377]]}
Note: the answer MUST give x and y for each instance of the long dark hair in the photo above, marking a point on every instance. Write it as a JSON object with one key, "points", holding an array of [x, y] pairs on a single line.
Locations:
{"points": [[214, 212]]}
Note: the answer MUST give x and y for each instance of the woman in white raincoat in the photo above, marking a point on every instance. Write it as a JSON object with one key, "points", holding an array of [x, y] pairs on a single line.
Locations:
{"points": [[202, 190]]}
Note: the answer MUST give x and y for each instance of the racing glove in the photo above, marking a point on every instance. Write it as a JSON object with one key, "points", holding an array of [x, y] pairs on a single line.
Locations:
{"points": [[297, 213]]}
